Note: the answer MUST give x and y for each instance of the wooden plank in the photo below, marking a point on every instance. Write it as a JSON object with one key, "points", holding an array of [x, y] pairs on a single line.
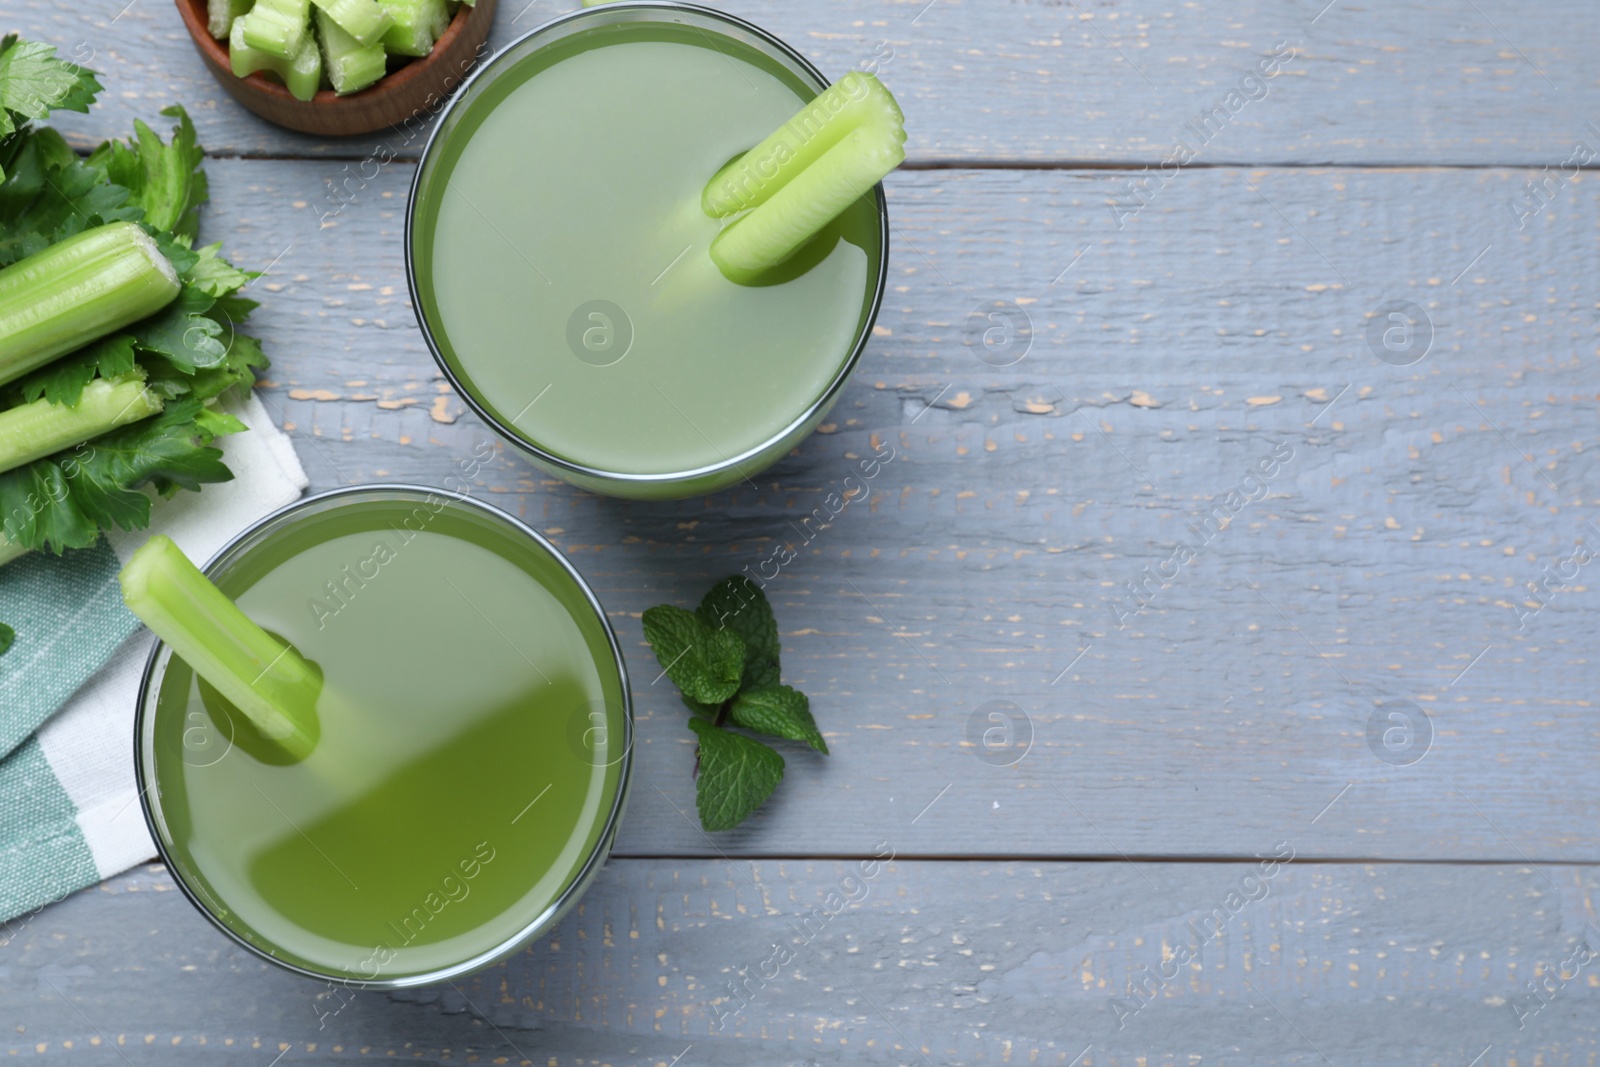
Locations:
{"points": [[1388, 561], [1407, 82], [924, 963]]}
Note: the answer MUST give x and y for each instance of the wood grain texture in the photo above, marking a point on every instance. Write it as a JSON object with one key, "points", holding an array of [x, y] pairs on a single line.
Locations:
{"points": [[1388, 560], [1181, 331], [1404, 82], [925, 963]]}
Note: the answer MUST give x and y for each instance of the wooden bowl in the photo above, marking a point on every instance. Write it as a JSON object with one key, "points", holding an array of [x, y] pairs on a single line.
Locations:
{"points": [[417, 89]]}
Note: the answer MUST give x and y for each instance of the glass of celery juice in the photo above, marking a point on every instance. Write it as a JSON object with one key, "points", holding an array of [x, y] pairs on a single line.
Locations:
{"points": [[558, 254], [474, 748]]}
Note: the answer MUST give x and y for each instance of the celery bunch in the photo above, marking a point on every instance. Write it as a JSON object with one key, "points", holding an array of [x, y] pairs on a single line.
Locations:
{"points": [[117, 334]]}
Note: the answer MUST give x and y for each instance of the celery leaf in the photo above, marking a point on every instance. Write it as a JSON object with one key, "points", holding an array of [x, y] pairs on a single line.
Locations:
{"points": [[62, 382], [65, 500], [40, 205], [33, 82], [165, 180]]}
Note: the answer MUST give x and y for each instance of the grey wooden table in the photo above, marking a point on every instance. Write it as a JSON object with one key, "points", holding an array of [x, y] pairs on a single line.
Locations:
{"points": [[1347, 671]]}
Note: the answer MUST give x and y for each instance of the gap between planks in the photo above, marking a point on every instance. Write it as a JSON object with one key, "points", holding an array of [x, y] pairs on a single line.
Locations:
{"points": [[1036, 858], [1130, 165]]}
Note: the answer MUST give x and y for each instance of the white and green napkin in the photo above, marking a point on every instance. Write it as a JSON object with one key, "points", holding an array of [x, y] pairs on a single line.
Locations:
{"points": [[69, 815]]}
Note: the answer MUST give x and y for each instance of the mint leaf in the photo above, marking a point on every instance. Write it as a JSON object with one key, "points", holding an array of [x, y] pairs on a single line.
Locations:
{"points": [[705, 664], [778, 711], [738, 604], [737, 775], [7, 635]]}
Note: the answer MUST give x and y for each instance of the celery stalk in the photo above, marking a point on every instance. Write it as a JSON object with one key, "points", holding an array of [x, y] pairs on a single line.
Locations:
{"points": [[417, 24], [364, 20], [813, 198], [857, 101], [77, 291], [301, 75], [267, 680], [351, 66], [32, 431], [221, 13], [278, 27]]}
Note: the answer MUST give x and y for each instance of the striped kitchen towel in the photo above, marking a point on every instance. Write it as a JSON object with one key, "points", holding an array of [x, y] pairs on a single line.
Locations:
{"points": [[68, 811]]}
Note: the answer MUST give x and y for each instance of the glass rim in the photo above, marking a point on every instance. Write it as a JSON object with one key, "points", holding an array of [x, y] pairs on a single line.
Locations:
{"points": [[540, 923], [817, 405]]}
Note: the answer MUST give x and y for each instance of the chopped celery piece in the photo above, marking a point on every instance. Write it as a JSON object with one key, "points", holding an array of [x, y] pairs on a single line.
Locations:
{"points": [[32, 431], [364, 20], [812, 198], [10, 551], [77, 291], [266, 679], [278, 27], [856, 101], [221, 13], [417, 24], [350, 64], [302, 74]]}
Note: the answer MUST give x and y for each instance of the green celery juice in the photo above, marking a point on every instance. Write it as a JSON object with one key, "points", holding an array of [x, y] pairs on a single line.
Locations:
{"points": [[470, 763], [560, 257]]}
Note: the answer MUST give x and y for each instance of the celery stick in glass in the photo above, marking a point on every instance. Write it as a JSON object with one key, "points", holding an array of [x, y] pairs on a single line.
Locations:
{"points": [[364, 20], [31, 431], [812, 198], [267, 680], [277, 27], [77, 291], [417, 24], [856, 101], [350, 64], [221, 13], [302, 74]]}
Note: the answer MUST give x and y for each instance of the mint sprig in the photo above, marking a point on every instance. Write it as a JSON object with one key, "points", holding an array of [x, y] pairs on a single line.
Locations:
{"points": [[7, 635], [724, 658]]}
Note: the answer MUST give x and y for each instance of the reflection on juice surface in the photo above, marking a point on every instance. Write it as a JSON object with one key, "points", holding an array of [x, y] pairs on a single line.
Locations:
{"points": [[466, 767]]}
